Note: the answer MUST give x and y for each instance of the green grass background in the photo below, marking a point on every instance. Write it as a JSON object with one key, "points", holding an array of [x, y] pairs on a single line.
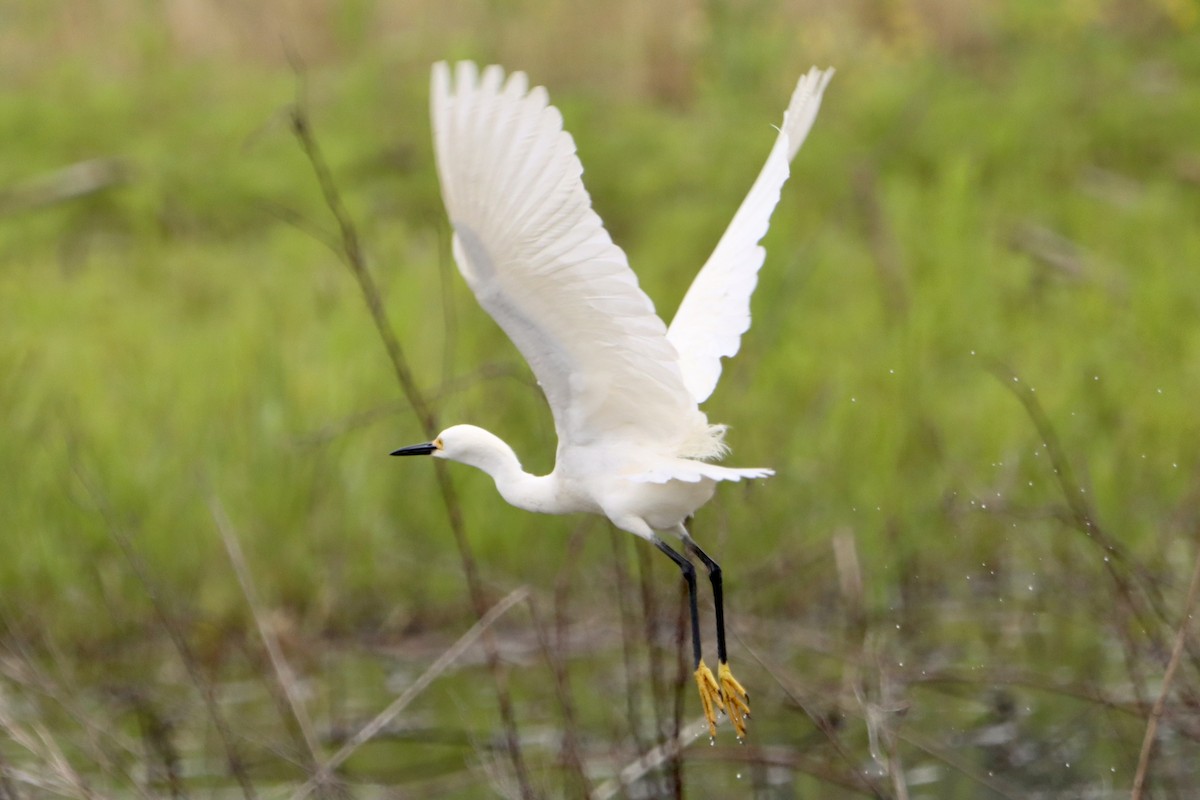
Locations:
{"points": [[180, 336]]}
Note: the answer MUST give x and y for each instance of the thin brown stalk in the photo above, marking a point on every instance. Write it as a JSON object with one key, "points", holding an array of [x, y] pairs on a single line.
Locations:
{"points": [[890, 720], [383, 718], [575, 782], [25, 671], [59, 776], [1117, 562], [628, 636], [355, 259], [57, 760], [282, 670], [650, 632], [8, 789], [163, 765], [962, 765], [821, 724], [571, 752], [208, 693], [1081, 513], [1143, 767], [651, 760], [675, 758], [933, 678]]}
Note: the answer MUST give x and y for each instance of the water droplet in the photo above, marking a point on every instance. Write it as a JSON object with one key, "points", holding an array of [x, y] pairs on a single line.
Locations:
{"points": [[739, 776], [712, 741]]}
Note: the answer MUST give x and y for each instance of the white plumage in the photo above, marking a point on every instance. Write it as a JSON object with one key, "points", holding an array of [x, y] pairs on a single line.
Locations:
{"points": [[624, 389], [715, 312]]}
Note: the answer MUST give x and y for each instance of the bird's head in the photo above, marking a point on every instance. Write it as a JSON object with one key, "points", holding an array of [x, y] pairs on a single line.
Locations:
{"points": [[466, 444]]}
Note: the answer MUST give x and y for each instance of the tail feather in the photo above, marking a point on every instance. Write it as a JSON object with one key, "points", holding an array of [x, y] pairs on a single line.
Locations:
{"points": [[693, 471]]}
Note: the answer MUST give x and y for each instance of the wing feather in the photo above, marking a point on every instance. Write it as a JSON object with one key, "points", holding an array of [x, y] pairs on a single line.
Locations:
{"points": [[539, 261], [715, 312]]}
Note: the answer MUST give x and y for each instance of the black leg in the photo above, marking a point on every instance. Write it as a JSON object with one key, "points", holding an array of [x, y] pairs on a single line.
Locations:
{"points": [[689, 575], [731, 697], [714, 575]]}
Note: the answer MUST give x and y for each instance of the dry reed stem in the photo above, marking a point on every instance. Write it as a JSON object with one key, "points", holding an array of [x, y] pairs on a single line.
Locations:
{"points": [[1122, 569], [571, 750], [282, 670], [996, 785], [651, 760], [24, 671], [355, 259], [8, 789], [64, 184], [863, 781], [860, 781], [1023, 680], [889, 732], [191, 663], [682, 621], [427, 677], [621, 584], [62, 779], [1143, 767], [646, 588]]}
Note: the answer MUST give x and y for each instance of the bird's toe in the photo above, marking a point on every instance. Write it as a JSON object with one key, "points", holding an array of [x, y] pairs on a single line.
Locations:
{"points": [[710, 697], [736, 701]]}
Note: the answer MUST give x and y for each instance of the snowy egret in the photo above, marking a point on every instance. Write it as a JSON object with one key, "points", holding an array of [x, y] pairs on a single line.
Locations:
{"points": [[624, 388]]}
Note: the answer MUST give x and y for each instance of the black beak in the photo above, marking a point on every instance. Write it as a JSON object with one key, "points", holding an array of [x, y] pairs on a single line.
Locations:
{"points": [[416, 450]]}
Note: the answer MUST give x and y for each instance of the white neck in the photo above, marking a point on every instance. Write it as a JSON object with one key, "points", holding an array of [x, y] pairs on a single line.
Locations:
{"points": [[530, 492], [518, 488]]}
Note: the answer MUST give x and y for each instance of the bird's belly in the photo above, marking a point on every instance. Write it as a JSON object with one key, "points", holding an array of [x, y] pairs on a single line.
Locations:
{"points": [[661, 505]]}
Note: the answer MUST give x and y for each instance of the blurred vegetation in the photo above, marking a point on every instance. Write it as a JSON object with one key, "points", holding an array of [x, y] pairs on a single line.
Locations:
{"points": [[992, 191]]}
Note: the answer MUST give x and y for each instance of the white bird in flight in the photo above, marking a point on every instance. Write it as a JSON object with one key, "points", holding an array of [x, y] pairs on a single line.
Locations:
{"points": [[624, 388]]}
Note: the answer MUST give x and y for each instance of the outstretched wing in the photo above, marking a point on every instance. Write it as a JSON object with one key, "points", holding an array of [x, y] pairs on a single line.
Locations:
{"points": [[539, 261], [715, 312]]}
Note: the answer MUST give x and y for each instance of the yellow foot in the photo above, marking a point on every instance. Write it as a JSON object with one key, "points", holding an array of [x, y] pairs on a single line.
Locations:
{"points": [[736, 703], [710, 697]]}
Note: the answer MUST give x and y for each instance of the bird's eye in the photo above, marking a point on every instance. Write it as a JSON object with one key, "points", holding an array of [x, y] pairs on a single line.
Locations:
{"points": [[438, 444]]}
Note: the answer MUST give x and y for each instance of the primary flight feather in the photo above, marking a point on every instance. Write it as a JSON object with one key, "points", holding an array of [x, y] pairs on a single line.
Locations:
{"points": [[624, 389]]}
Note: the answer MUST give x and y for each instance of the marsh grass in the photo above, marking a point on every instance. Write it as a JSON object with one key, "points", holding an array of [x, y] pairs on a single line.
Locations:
{"points": [[959, 584]]}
